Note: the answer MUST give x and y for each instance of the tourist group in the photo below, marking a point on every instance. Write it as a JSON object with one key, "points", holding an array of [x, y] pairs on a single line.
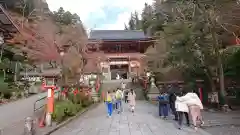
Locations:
{"points": [[181, 102], [114, 98]]}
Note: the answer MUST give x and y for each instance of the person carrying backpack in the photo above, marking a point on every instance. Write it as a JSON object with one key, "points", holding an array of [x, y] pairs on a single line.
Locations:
{"points": [[163, 99], [132, 100], [119, 97], [108, 101]]}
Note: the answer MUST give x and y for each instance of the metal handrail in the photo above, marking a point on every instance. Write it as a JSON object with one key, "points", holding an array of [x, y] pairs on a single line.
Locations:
{"points": [[34, 106], [43, 98]]}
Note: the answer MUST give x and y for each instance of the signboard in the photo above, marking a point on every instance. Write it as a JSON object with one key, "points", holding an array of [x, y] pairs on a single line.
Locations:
{"points": [[50, 82], [134, 64], [49, 93], [32, 79], [213, 97], [119, 63]]}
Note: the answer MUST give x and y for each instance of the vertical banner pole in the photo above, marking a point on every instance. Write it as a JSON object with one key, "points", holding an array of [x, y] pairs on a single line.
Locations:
{"points": [[200, 94]]}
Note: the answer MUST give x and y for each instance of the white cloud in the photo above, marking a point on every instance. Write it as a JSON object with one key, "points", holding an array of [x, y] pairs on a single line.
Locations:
{"points": [[85, 8], [119, 25], [82, 8]]}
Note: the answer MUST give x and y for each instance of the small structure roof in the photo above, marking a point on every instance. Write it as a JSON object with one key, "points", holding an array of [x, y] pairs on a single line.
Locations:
{"points": [[6, 24], [116, 35], [47, 73]]}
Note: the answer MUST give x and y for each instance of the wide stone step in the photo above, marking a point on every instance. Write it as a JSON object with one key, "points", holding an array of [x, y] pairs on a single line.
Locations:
{"points": [[113, 85]]}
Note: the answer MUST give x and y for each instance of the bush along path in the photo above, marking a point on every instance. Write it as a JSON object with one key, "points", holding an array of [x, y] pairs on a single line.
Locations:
{"points": [[70, 106]]}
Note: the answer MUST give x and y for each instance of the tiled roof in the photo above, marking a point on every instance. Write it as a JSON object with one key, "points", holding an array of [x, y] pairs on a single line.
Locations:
{"points": [[116, 35], [48, 72], [6, 24]]}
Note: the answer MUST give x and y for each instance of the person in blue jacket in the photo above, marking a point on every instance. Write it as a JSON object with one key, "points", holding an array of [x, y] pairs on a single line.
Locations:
{"points": [[163, 99]]}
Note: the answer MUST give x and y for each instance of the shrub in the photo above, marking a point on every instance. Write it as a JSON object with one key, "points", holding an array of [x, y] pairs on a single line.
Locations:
{"points": [[65, 109], [59, 112], [7, 94]]}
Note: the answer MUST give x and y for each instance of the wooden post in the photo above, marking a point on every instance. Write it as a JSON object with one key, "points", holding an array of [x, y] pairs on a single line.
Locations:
{"points": [[200, 94]]}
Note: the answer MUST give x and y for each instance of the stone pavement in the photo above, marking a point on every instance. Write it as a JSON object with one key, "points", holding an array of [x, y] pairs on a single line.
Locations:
{"points": [[12, 115], [219, 123], [223, 130], [221, 119], [144, 122]]}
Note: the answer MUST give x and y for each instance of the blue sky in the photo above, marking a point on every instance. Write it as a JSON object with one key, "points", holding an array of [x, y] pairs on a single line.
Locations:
{"points": [[101, 14]]}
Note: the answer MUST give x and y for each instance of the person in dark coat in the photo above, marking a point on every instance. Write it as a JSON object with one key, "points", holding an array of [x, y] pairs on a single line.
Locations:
{"points": [[172, 98], [126, 96]]}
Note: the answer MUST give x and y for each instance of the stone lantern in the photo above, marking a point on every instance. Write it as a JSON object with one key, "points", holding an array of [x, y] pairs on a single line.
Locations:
{"points": [[92, 81]]}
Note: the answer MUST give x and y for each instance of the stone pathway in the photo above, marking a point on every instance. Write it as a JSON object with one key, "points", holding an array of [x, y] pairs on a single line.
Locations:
{"points": [[144, 122], [219, 123], [12, 115]]}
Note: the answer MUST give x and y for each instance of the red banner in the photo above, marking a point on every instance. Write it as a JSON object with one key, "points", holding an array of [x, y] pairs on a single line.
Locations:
{"points": [[75, 92]]}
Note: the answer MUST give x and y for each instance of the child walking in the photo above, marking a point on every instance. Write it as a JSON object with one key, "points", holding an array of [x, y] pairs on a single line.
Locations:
{"points": [[114, 100], [163, 105], [109, 104], [132, 100]]}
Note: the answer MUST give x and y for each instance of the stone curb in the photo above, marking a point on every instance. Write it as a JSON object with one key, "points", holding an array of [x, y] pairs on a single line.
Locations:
{"points": [[71, 119]]}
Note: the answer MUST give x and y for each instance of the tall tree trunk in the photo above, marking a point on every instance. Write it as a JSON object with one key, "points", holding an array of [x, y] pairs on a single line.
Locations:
{"points": [[15, 71], [211, 19], [219, 61], [210, 79], [4, 74]]}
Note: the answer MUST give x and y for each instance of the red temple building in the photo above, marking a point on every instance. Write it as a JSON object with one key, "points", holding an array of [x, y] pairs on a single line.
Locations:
{"points": [[117, 53]]}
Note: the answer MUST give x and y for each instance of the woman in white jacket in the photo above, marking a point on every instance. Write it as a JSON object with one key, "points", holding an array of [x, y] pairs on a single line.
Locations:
{"points": [[182, 109], [195, 106]]}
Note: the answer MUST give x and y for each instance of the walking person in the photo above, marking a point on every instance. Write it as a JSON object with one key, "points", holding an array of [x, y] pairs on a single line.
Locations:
{"points": [[113, 99], [182, 109], [126, 96], [172, 99], [108, 101], [195, 106], [119, 97], [163, 105], [123, 86], [132, 100]]}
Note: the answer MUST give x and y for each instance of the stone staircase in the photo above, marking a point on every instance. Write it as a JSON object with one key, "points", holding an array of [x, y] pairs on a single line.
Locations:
{"points": [[114, 84], [138, 90]]}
